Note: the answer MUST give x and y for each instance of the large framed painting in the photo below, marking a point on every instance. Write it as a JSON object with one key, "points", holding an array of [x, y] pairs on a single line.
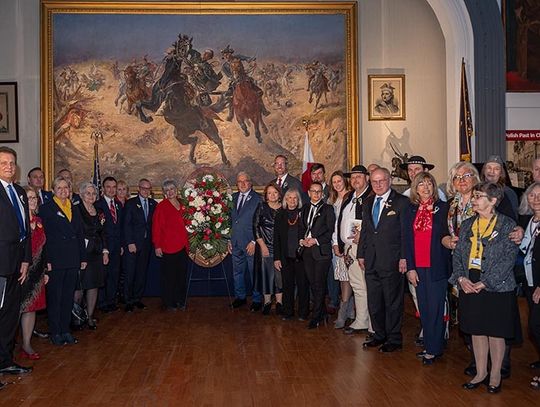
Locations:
{"points": [[9, 126], [521, 20], [176, 86]]}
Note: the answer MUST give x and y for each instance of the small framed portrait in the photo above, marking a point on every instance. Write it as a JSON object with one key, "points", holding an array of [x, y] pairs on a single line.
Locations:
{"points": [[386, 94], [9, 126]]}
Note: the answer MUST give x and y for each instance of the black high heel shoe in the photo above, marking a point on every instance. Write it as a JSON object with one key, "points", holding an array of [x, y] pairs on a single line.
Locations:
{"points": [[494, 389], [314, 323], [472, 386]]}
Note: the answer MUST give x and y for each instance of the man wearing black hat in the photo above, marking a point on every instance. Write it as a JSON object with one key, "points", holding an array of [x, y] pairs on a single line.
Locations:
{"points": [[348, 234], [414, 166]]}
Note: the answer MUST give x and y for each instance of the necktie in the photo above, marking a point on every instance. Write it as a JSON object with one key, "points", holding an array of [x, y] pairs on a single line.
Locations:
{"points": [[241, 202], [112, 208], [312, 212], [377, 210], [145, 208], [279, 182], [357, 208], [40, 201], [15, 202]]}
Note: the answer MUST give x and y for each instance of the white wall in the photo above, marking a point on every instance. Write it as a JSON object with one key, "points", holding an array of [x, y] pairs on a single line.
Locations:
{"points": [[404, 36]]}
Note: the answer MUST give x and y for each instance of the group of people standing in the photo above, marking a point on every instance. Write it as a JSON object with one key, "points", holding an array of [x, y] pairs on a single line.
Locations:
{"points": [[356, 241], [360, 235]]}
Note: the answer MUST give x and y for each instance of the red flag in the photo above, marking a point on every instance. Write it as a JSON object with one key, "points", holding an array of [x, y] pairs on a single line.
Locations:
{"points": [[466, 128], [307, 162]]}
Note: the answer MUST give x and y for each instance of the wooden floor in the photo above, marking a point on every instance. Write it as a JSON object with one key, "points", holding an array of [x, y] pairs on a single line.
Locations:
{"points": [[211, 356]]}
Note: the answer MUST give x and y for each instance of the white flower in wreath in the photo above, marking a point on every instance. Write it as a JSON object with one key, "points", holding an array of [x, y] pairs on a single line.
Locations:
{"points": [[193, 193], [207, 218], [218, 225], [208, 246], [198, 202], [229, 197], [190, 230], [210, 200], [225, 231], [216, 209], [187, 192], [208, 178], [199, 217], [194, 223], [216, 194]]}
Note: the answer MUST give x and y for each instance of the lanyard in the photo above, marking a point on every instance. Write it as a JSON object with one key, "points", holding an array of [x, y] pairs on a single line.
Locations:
{"points": [[479, 236]]}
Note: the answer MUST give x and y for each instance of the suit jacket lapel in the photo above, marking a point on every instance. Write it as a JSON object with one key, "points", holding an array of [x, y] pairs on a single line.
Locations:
{"points": [[386, 207]]}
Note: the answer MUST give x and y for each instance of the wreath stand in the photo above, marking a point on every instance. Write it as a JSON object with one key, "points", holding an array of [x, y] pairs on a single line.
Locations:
{"points": [[209, 278]]}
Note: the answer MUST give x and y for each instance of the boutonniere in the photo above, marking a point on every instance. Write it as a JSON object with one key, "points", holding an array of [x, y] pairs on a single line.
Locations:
{"points": [[21, 197], [537, 232], [285, 185], [101, 218], [387, 204], [248, 197], [76, 203], [391, 213], [39, 225], [493, 235], [60, 214], [435, 210], [139, 206]]}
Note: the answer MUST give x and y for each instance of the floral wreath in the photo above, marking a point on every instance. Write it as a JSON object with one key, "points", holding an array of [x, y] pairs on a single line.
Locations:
{"points": [[207, 200]]}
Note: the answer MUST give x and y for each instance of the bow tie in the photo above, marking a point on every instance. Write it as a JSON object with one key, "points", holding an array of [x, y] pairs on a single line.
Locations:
{"points": [[357, 200]]}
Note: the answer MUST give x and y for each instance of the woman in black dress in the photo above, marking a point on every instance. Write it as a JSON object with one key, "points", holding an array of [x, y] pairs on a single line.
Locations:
{"points": [[93, 276], [267, 278], [286, 238], [483, 263]]}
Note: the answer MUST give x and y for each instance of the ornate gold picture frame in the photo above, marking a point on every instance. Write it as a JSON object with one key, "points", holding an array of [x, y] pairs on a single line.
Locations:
{"points": [[108, 67]]}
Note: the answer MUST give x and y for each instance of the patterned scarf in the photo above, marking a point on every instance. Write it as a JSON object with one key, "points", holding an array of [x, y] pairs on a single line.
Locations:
{"points": [[424, 216], [458, 213]]}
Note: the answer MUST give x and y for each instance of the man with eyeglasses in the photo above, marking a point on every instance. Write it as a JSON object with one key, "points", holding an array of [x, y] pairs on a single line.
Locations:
{"points": [[283, 179], [317, 227], [137, 225], [381, 254]]}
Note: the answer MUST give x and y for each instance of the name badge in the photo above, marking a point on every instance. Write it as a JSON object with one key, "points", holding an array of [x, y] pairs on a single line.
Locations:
{"points": [[475, 262]]}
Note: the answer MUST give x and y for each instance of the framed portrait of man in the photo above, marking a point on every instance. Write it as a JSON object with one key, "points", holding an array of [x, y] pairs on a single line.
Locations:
{"points": [[386, 94], [9, 126]]}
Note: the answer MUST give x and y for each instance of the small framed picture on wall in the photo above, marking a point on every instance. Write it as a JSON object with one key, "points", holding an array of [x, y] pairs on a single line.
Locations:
{"points": [[386, 97], [9, 123]]}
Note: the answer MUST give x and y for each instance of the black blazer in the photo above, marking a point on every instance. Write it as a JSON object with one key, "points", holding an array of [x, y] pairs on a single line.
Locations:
{"points": [[113, 230], [136, 228], [11, 255], [384, 246], [281, 236], [524, 222], [440, 255], [65, 246], [322, 229]]}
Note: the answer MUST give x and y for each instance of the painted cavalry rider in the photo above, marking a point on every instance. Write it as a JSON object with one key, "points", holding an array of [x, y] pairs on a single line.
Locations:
{"points": [[204, 78], [228, 55]]}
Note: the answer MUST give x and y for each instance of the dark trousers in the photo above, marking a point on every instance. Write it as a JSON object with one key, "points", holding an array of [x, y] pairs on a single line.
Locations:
{"points": [[294, 276], [136, 267], [60, 289], [9, 318], [534, 316], [316, 272], [385, 291], [334, 288], [174, 278], [107, 293], [431, 297]]}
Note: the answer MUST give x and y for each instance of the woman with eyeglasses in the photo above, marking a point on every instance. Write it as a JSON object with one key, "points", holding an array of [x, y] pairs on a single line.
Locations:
{"points": [[171, 243], [483, 269], [428, 260], [529, 211]]}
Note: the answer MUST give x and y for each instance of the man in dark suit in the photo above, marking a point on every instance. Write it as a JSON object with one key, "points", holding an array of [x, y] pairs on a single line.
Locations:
{"points": [[317, 227], [242, 244], [113, 229], [36, 180], [283, 179], [138, 239], [16, 255], [382, 255]]}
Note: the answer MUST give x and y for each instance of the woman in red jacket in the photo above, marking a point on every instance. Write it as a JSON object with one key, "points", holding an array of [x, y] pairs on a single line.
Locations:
{"points": [[170, 240]]}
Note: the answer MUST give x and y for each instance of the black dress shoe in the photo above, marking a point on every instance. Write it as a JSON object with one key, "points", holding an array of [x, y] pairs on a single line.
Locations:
{"points": [[255, 306], [472, 386], [470, 370], [428, 361], [421, 355], [266, 308], [279, 308], [390, 347], [2, 385], [353, 331], [303, 318], [238, 302], [15, 369], [535, 365], [129, 308], [505, 372], [494, 389], [39, 334], [139, 305], [287, 317], [314, 323], [373, 343], [69, 339], [57, 340]]}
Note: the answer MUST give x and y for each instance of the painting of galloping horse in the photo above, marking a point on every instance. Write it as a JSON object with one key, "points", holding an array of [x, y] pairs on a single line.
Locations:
{"points": [[174, 86]]}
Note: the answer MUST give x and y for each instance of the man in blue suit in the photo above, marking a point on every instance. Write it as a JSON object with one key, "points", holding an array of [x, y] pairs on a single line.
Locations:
{"points": [[138, 239], [113, 229], [242, 244], [36, 180]]}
